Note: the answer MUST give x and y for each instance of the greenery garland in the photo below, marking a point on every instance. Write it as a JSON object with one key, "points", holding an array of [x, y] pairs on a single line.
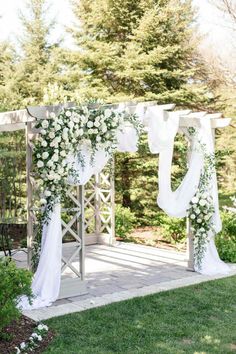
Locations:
{"points": [[201, 207]]}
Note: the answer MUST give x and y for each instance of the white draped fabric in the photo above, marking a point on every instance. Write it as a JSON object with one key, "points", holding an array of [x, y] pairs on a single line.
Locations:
{"points": [[161, 133], [46, 281]]}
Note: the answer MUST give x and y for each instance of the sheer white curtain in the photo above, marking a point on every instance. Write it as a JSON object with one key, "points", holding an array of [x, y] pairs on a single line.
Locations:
{"points": [[161, 134]]}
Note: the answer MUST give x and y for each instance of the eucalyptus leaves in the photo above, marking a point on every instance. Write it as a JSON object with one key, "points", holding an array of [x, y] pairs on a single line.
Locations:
{"points": [[63, 135]]}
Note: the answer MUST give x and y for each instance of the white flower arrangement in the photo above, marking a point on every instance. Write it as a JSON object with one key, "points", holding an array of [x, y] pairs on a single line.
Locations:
{"points": [[63, 135], [33, 341], [201, 208]]}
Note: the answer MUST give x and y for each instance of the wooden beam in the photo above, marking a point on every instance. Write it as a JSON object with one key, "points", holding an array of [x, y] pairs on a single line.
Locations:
{"points": [[42, 112], [12, 127], [14, 117]]}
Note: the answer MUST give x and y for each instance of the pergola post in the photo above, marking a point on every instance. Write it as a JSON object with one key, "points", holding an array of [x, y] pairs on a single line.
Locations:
{"points": [[29, 183]]}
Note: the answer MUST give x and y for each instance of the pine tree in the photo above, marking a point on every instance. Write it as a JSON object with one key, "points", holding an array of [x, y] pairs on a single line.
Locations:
{"points": [[8, 93], [36, 69], [137, 49]]}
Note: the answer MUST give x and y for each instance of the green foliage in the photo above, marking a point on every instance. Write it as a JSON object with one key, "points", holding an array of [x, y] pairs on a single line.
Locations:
{"points": [[125, 221], [226, 239], [137, 49], [14, 283], [173, 229]]}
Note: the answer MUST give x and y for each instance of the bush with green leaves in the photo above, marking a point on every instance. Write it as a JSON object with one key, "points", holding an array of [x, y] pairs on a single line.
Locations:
{"points": [[226, 239], [14, 282], [125, 221], [173, 230]]}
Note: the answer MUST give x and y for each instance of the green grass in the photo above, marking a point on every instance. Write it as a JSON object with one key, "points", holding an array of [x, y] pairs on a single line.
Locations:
{"points": [[196, 319]]}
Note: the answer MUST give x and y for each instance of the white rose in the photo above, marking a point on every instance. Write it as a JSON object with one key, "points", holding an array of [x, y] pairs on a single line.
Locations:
{"points": [[45, 123], [47, 193], [96, 124], [63, 153], [90, 124], [68, 113], [202, 202], [107, 113], [44, 143], [40, 164], [43, 201], [52, 135], [45, 155], [55, 158], [49, 163], [194, 200]]}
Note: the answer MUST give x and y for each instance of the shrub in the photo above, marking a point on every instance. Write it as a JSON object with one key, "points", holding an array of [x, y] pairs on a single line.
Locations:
{"points": [[14, 282], [173, 229], [226, 239], [125, 221]]}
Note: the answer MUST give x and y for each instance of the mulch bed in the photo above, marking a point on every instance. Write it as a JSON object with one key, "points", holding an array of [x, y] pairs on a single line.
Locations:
{"points": [[20, 331]]}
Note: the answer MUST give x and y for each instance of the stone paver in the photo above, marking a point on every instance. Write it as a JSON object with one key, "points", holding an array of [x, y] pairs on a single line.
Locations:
{"points": [[122, 272]]}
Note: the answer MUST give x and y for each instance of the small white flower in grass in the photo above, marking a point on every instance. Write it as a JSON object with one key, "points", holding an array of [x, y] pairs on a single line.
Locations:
{"points": [[98, 138], [23, 345], [198, 211], [45, 155], [192, 216], [194, 200], [90, 124], [43, 132], [90, 131], [39, 338], [18, 351], [40, 164], [199, 221]]}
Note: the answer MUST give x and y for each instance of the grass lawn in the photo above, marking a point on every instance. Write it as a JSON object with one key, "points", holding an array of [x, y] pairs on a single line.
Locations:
{"points": [[197, 319]]}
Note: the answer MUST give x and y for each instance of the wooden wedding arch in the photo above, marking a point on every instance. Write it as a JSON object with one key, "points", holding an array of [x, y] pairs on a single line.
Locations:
{"points": [[97, 196]]}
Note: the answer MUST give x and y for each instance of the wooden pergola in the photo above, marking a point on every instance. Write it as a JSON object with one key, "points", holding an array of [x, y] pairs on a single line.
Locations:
{"points": [[91, 215]]}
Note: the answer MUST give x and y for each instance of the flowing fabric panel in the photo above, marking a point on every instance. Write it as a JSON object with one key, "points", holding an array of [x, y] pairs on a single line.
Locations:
{"points": [[47, 279], [161, 135]]}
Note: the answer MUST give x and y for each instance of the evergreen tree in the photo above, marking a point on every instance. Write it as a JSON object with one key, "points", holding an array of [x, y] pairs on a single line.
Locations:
{"points": [[137, 49], [8, 93], [36, 69]]}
